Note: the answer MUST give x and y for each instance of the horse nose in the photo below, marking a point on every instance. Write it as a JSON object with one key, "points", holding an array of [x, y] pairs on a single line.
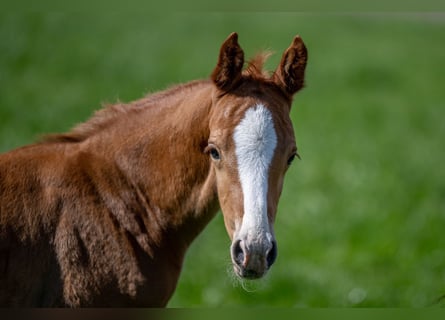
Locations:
{"points": [[238, 253], [272, 255], [253, 260]]}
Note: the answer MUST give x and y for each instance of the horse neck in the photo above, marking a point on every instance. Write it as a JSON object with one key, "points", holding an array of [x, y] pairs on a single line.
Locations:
{"points": [[159, 151]]}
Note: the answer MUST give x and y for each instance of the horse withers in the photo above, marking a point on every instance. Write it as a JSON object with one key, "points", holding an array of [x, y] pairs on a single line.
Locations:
{"points": [[103, 215]]}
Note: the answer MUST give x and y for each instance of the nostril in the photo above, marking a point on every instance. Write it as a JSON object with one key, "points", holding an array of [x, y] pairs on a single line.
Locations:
{"points": [[238, 253], [272, 255]]}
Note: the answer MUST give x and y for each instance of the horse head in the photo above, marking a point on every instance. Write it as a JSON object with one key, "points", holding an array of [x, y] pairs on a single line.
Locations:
{"points": [[251, 146]]}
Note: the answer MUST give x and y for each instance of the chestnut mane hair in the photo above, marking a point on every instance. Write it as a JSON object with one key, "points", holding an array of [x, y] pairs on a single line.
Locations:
{"points": [[105, 117]]}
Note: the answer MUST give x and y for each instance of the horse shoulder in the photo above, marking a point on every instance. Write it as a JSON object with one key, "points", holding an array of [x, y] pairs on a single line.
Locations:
{"points": [[103, 239]]}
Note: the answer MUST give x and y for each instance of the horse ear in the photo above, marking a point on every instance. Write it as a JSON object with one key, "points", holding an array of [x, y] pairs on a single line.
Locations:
{"points": [[290, 72], [227, 72]]}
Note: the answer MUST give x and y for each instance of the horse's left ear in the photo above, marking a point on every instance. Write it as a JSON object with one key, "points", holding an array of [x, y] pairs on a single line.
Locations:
{"points": [[290, 72], [227, 72]]}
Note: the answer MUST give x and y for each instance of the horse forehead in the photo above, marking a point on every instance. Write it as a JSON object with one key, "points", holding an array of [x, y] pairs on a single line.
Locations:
{"points": [[260, 121], [254, 137], [256, 125], [255, 116]]}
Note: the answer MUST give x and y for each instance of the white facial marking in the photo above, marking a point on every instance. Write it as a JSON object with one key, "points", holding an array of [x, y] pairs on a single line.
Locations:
{"points": [[255, 141]]}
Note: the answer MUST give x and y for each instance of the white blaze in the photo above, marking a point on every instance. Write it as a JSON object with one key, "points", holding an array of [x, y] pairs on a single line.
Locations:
{"points": [[255, 141]]}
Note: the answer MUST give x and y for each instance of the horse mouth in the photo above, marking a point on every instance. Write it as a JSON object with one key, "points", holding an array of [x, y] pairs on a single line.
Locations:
{"points": [[248, 274]]}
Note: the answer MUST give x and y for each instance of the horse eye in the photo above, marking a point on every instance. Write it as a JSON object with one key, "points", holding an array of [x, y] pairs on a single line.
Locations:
{"points": [[291, 159], [214, 154]]}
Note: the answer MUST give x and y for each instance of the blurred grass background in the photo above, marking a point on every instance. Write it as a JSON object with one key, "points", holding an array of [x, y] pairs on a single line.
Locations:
{"points": [[362, 216]]}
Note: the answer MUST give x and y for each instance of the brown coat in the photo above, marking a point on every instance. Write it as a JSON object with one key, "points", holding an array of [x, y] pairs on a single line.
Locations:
{"points": [[103, 215]]}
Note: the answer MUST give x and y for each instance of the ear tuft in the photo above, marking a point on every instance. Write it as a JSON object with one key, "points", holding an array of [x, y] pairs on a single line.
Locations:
{"points": [[290, 72], [227, 72]]}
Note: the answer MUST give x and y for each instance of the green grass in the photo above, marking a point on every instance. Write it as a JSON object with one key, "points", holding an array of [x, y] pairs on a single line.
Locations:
{"points": [[362, 216]]}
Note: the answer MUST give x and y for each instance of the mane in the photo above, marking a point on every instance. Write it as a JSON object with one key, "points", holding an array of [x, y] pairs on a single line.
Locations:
{"points": [[255, 66], [110, 113]]}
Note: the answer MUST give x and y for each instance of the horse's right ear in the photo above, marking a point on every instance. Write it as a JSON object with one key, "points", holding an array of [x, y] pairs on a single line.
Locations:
{"points": [[227, 72]]}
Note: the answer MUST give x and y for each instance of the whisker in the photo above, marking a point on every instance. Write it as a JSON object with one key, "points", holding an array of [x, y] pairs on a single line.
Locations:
{"points": [[247, 285]]}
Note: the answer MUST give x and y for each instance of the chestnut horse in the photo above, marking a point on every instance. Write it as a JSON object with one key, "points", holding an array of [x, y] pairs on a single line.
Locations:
{"points": [[103, 215]]}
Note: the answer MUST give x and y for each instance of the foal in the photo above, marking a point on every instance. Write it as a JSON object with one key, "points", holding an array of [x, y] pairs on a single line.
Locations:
{"points": [[103, 215]]}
